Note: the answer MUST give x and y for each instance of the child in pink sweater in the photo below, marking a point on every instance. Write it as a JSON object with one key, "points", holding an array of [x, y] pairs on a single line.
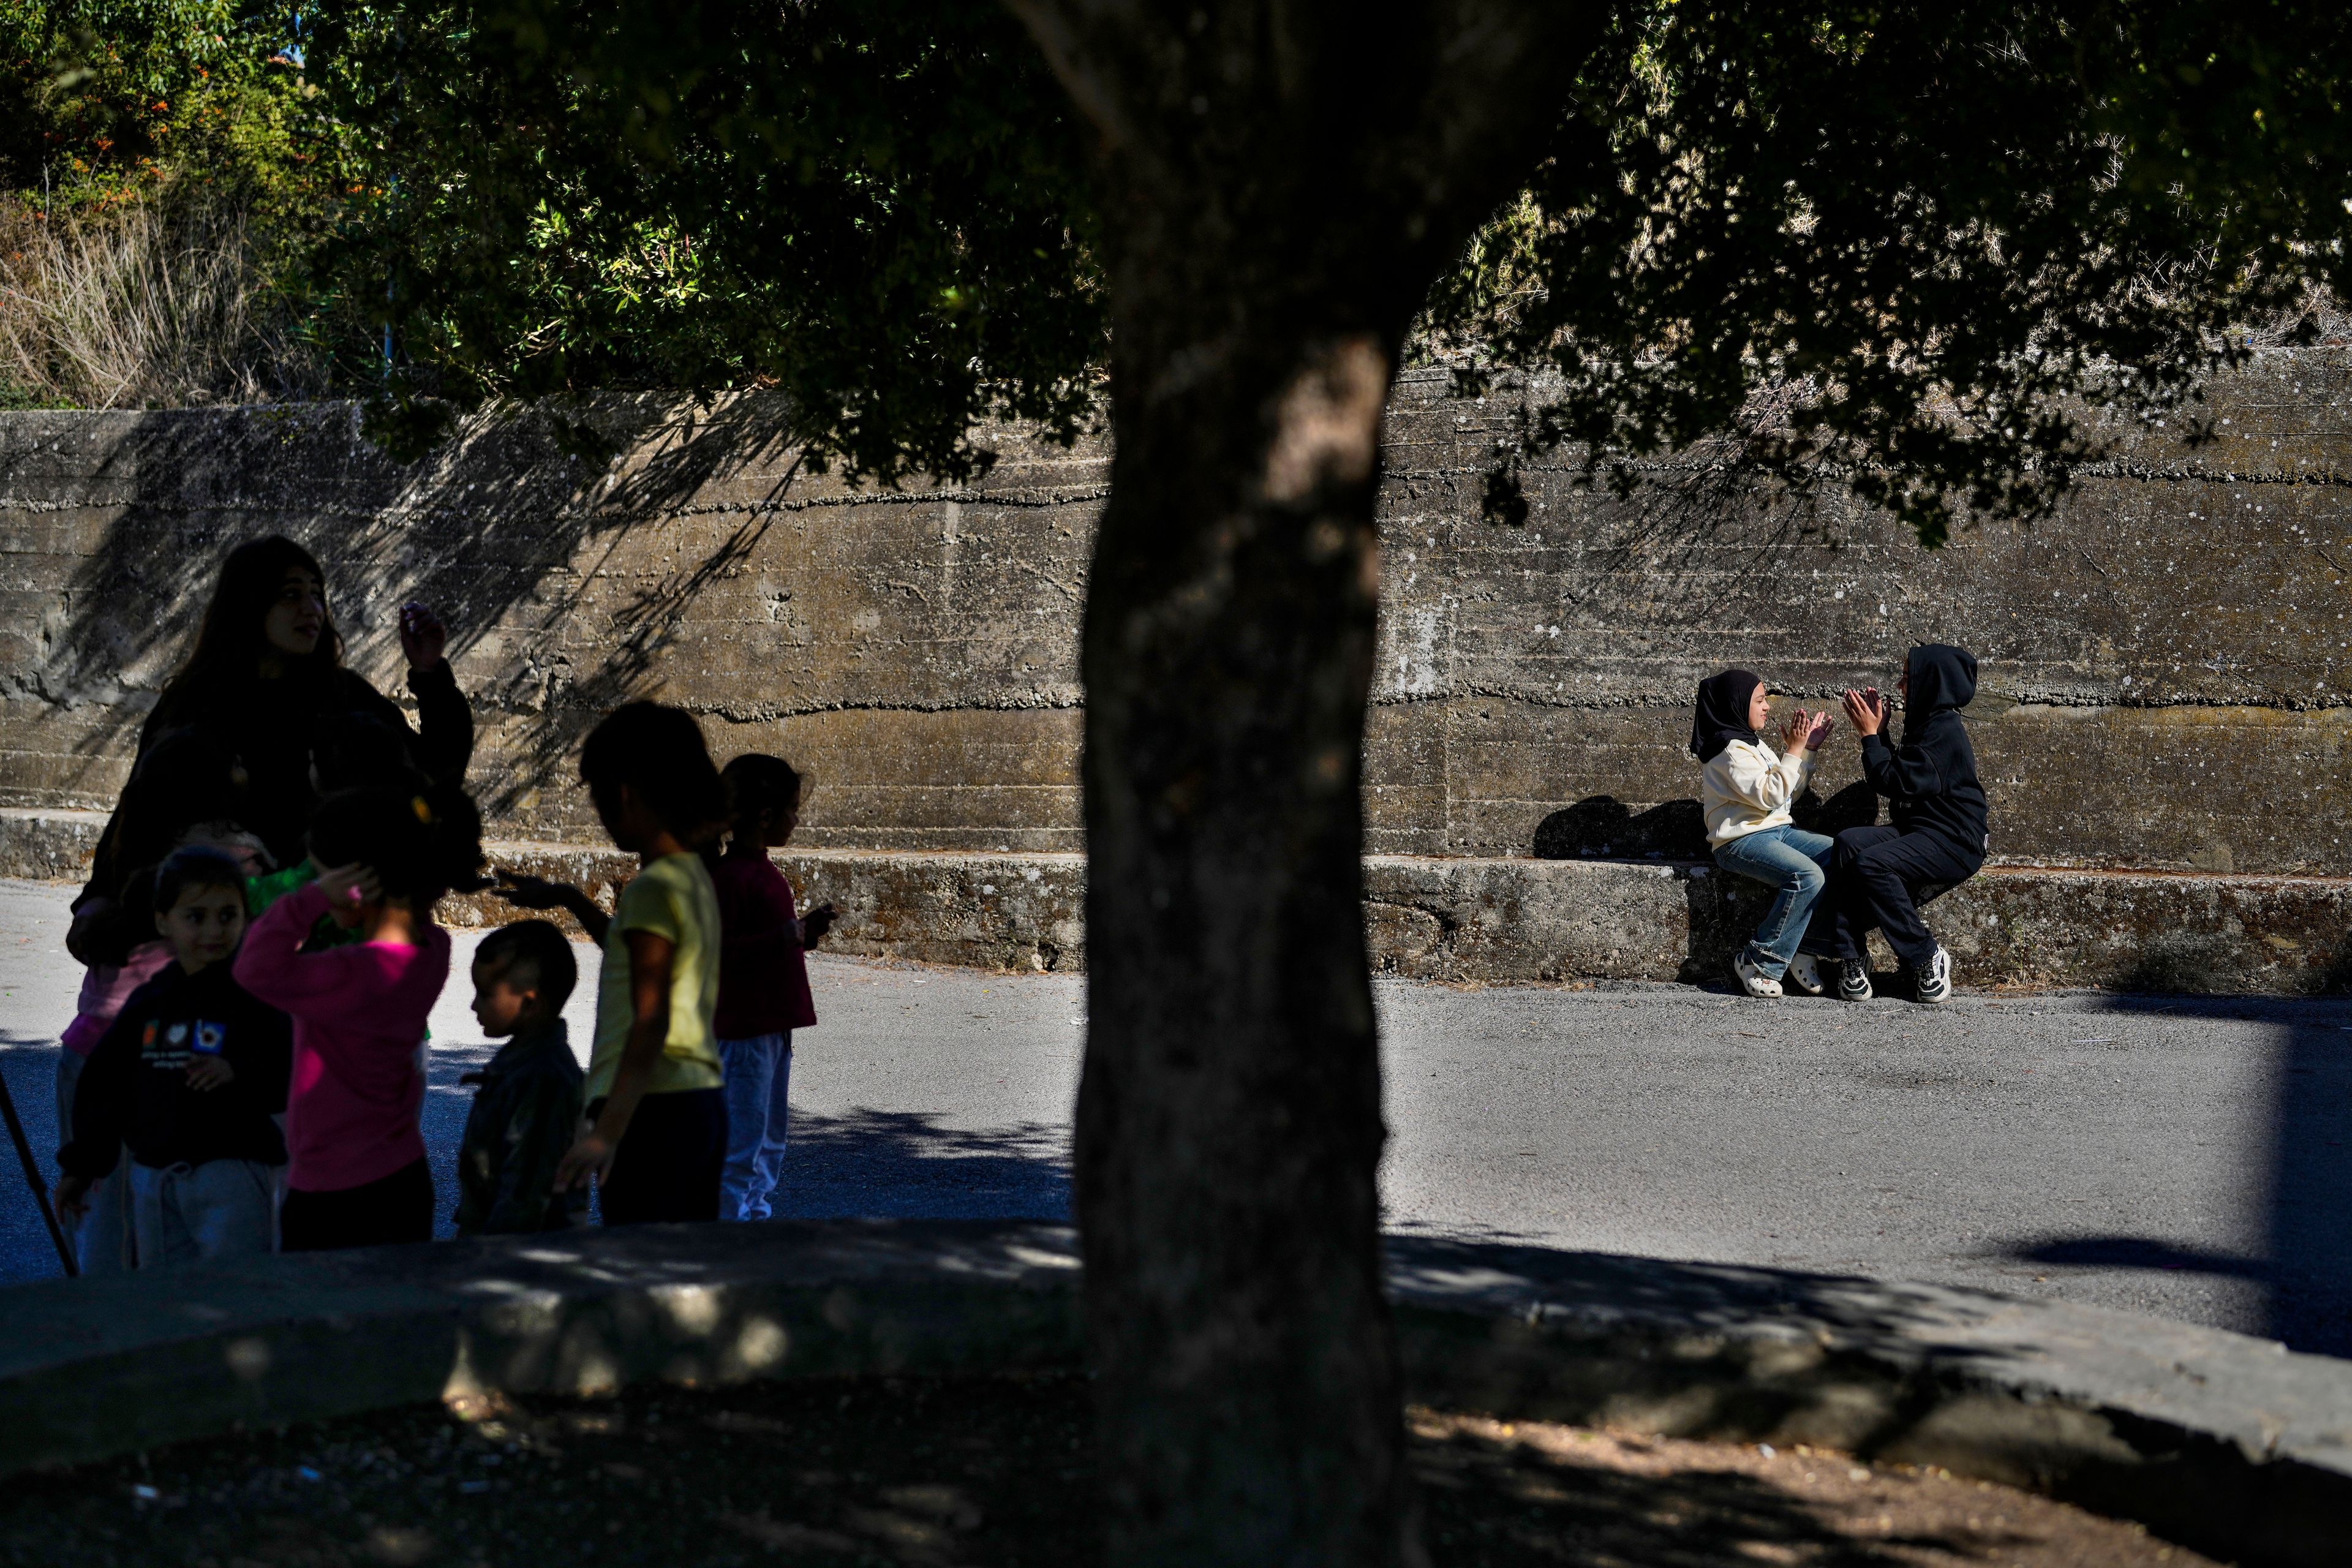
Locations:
{"points": [[356, 1174]]}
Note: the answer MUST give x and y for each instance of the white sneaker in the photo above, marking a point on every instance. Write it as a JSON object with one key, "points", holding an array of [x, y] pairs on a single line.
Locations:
{"points": [[1854, 980], [1804, 974], [1752, 980], [1934, 983]]}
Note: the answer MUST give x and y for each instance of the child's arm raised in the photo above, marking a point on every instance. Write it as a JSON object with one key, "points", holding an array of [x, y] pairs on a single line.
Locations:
{"points": [[1906, 774], [272, 965], [651, 956], [527, 892], [1769, 786]]}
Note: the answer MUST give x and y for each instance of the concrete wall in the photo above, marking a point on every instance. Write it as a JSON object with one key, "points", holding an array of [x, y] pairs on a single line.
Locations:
{"points": [[2166, 663]]}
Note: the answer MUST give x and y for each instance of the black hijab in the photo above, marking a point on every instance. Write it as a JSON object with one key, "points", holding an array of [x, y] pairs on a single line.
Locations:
{"points": [[1722, 716]]}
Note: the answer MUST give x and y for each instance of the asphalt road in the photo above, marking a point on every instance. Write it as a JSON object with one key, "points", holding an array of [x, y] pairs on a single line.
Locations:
{"points": [[2182, 1156]]}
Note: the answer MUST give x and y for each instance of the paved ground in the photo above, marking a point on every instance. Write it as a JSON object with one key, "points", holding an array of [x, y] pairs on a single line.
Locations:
{"points": [[2190, 1157]]}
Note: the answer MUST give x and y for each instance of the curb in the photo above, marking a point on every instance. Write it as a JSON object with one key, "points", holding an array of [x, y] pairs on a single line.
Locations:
{"points": [[2228, 1444], [1467, 920]]}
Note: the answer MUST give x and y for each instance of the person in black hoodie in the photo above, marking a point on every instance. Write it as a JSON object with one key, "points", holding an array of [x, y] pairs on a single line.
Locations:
{"points": [[190, 1078], [1938, 835]]}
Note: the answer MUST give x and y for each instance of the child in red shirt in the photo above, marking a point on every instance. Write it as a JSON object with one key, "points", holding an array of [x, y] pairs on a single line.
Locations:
{"points": [[763, 989]]}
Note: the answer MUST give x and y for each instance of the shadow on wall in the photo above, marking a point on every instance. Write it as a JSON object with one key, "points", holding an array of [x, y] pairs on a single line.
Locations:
{"points": [[1724, 909], [489, 527], [2304, 1270], [1602, 827]]}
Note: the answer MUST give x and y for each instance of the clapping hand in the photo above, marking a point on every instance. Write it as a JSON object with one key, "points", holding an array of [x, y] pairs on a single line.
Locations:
{"points": [[1866, 710], [817, 923], [1819, 730], [422, 638], [1793, 733]]}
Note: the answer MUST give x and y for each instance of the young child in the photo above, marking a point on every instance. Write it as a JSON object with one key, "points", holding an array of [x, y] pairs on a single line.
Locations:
{"points": [[183, 782], [658, 1134], [189, 1078], [356, 1173], [1937, 837], [763, 989], [527, 1111], [1747, 792]]}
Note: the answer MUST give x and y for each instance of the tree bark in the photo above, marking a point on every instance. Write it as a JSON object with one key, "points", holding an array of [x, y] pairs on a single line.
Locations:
{"points": [[1280, 185]]}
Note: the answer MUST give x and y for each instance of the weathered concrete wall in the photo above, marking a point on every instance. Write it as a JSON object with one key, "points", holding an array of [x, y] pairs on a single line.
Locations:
{"points": [[1470, 920], [2166, 663]]}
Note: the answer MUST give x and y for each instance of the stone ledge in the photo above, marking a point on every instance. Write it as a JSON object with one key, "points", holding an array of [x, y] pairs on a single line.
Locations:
{"points": [[1512, 922], [2222, 1442]]}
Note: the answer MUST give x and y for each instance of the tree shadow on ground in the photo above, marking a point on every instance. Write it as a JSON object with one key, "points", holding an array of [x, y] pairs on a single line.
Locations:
{"points": [[863, 1164], [2305, 1267], [906, 1164]]}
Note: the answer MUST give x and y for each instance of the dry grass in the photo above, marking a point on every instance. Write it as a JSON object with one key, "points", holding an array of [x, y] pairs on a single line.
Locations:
{"points": [[139, 307]]}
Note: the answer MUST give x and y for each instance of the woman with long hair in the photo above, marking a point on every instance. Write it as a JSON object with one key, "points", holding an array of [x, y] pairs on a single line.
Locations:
{"points": [[266, 682]]}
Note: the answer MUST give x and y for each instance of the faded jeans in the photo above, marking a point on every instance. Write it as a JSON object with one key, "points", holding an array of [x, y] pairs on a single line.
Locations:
{"points": [[1795, 864], [195, 1214], [759, 1079]]}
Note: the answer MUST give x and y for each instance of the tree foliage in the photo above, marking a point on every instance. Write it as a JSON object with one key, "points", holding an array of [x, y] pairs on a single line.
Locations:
{"points": [[104, 102], [877, 208], [1893, 243]]}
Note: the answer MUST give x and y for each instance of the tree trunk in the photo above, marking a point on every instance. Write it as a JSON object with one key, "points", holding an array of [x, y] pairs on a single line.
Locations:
{"points": [[1280, 184], [1229, 1121]]}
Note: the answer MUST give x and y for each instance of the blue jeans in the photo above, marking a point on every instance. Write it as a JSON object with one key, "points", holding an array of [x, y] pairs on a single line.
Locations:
{"points": [[759, 1076], [1792, 861]]}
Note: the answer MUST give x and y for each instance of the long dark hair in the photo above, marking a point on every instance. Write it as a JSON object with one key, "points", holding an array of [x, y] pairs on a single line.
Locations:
{"points": [[229, 640], [184, 777]]}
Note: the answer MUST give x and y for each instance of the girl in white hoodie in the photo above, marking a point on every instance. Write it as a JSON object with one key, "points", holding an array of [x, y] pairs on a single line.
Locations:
{"points": [[1747, 791]]}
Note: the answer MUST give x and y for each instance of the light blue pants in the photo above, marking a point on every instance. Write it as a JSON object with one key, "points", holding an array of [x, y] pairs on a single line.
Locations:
{"points": [[195, 1214], [1794, 863], [759, 1080], [101, 1242]]}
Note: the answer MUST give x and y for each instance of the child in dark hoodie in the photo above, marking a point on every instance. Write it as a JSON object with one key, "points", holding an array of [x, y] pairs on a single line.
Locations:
{"points": [[190, 1076], [1938, 837], [527, 1111]]}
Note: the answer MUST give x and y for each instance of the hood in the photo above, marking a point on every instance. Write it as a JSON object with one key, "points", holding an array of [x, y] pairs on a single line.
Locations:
{"points": [[1721, 716], [1941, 677]]}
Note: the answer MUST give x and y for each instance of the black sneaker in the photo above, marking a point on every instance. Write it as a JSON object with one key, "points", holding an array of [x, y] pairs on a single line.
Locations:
{"points": [[1934, 983], [1854, 980]]}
